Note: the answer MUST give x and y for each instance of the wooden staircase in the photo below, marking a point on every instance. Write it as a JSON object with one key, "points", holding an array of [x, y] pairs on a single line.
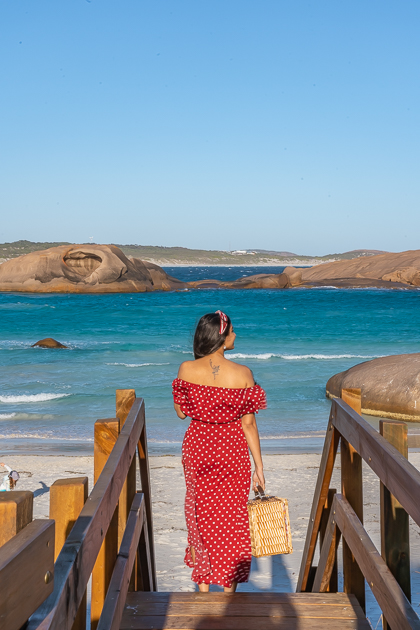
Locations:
{"points": [[242, 611], [112, 541]]}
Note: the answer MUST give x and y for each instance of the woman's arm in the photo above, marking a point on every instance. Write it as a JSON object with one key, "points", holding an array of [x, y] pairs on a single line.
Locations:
{"points": [[179, 413], [250, 429]]}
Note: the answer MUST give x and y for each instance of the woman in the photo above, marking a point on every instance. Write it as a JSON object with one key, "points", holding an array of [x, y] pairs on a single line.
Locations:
{"points": [[221, 398]]}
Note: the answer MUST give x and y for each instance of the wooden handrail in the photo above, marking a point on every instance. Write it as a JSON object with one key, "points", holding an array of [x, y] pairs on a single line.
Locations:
{"points": [[77, 558], [400, 477], [385, 588]]}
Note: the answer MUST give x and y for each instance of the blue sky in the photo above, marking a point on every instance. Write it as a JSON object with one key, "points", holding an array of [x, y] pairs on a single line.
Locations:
{"points": [[213, 124]]}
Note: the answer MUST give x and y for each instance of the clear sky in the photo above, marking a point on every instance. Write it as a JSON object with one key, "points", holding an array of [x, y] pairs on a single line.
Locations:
{"points": [[217, 124]]}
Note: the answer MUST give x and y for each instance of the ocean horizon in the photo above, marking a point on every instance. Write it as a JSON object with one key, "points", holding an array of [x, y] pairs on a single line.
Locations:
{"points": [[293, 340]]}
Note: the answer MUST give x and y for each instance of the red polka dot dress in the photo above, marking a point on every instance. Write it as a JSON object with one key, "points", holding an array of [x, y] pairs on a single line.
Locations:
{"points": [[217, 472]]}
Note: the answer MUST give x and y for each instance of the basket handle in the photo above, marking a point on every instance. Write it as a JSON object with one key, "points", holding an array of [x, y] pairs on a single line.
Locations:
{"points": [[260, 494]]}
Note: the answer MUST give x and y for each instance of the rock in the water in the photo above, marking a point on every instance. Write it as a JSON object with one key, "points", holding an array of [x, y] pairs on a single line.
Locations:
{"points": [[259, 281], [49, 342], [390, 386], [80, 269]]}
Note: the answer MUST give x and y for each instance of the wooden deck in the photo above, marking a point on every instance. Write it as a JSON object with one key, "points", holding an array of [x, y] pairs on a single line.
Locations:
{"points": [[242, 611]]}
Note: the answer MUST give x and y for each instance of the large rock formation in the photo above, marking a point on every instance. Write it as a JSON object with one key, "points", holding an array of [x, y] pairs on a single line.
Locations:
{"points": [[82, 269], [290, 277], [383, 270], [105, 269], [390, 386]]}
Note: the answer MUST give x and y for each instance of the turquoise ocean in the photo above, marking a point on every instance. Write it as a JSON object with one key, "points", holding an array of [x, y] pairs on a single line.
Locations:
{"points": [[293, 340]]}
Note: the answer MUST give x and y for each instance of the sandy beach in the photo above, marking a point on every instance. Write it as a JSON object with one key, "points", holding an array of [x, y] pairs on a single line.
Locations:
{"points": [[289, 476]]}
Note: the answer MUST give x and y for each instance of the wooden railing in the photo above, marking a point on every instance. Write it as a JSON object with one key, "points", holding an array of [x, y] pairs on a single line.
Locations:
{"points": [[334, 516], [107, 535]]}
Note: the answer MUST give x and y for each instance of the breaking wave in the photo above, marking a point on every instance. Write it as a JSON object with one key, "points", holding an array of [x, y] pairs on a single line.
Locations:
{"points": [[134, 365], [300, 357], [31, 398]]}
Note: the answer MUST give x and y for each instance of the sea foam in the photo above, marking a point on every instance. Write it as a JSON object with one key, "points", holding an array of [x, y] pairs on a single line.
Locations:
{"points": [[134, 365], [299, 357], [31, 398]]}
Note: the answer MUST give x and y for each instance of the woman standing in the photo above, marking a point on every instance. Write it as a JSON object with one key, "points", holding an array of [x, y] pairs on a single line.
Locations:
{"points": [[221, 398]]}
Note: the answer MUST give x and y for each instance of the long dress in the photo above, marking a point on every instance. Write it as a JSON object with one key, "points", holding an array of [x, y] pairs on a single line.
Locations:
{"points": [[217, 470]]}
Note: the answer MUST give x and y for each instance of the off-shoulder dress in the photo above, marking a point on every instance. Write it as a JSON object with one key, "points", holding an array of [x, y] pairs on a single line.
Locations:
{"points": [[217, 470]]}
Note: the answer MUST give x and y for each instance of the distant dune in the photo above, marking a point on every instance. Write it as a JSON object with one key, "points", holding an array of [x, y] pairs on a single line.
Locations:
{"points": [[174, 256]]}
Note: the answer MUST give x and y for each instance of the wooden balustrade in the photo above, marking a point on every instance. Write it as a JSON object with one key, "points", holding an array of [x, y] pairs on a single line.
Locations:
{"points": [[340, 516], [96, 530]]}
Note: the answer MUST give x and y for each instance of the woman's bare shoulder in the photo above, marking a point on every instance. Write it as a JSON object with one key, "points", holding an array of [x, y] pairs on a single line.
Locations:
{"points": [[185, 369], [243, 373]]}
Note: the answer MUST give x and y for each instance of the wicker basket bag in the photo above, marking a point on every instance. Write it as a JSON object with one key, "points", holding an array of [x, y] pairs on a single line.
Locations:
{"points": [[269, 525]]}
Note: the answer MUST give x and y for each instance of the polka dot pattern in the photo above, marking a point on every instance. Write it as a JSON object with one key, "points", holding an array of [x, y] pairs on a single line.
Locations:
{"points": [[217, 472]]}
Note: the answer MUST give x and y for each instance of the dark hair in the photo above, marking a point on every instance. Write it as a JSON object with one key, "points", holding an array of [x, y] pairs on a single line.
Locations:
{"points": [[206, 337]]}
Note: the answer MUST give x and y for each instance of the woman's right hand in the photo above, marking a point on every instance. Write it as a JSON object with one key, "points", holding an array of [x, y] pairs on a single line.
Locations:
{"points": [[258, 479]]}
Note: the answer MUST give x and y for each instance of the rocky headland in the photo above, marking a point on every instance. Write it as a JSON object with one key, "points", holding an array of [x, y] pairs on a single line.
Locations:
{"points": [[106, 269], [390, 386], [382, 270], [83, 269]]}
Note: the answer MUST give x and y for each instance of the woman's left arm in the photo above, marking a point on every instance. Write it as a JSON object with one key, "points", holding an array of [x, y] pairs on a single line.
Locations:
{"points": [[250, 429], [179, 413]]}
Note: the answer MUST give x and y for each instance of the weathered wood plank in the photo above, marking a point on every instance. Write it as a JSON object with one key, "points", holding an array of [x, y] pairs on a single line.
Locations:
{"points": [[67, 498], [146, 490], [395, 545], [332, 585], [298, 599], [385, 588], [400, 477], [320, 495], [352, 489], [16, 509], [249, 611], [26, 573], [118, 588], [328, 556], [77, 558], [106, 434], [240, 609], [186, 622]]}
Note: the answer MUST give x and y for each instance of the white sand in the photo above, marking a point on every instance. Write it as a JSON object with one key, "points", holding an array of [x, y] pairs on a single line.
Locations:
{"points": [[289, 476]]}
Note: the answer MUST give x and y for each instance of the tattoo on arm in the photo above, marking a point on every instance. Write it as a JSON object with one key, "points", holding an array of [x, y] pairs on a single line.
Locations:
{"points": [[214, 369]]}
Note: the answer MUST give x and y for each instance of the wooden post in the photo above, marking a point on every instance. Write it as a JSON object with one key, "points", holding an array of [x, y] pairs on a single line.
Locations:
{"points": [[105, 435], [16, 508], [395, 546], [67, 498], [352, 489], [145, 488], [333, 584]]}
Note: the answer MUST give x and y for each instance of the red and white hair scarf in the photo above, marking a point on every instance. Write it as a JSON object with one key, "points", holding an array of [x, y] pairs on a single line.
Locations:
{"points": [[223, 322]]}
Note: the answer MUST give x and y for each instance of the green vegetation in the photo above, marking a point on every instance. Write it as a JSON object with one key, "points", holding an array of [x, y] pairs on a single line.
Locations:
{"points": [[183, 256]]}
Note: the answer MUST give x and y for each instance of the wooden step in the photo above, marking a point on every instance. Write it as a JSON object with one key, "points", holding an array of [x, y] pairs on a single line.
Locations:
{"points": [[242, 611]]}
